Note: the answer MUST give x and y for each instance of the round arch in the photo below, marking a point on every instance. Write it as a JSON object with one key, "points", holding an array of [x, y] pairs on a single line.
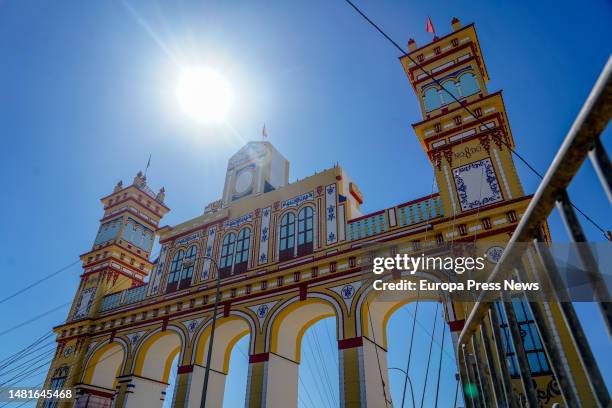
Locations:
{"points": [[373, 313], [228, 330], [288, 323], [153, 357], [105, 364]]}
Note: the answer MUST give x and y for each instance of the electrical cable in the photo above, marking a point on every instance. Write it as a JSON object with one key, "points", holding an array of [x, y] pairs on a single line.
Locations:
{"points": [[431, 341]]}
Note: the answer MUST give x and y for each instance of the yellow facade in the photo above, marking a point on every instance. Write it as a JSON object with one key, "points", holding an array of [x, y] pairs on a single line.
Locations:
{"points": [[289, 255]]}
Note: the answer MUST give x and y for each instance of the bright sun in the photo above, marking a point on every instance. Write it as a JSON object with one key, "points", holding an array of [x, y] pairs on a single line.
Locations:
{"points": [[203, 94]]}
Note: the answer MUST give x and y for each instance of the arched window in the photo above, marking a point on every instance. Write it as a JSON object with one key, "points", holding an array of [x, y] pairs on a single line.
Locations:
{"points": [[174, 273], [451, 87], [188, 265], [227, 255], [431, 99], [241, 259], [469, 86], [305, 231], [287, 237]]}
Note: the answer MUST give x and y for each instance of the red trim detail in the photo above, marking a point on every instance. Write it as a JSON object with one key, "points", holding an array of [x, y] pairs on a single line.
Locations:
{"points": [[198, 228], [129, 210], [185, 369], [226, 309], [350, 343], [367, 215], [418, 200], [439, 39], [303, 291], [458, 108], [456, 325], [259, 358], [475, 123], [98, 393]]}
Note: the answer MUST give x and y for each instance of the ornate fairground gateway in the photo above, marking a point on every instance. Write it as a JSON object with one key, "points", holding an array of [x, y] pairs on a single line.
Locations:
{"points": [[290, 254]]}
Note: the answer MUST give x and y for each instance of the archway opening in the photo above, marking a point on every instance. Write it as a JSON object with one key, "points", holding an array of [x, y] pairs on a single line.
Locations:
{"points": [[153, 365], [228, 364], [303, 355], [430, 359], [318, 372]]}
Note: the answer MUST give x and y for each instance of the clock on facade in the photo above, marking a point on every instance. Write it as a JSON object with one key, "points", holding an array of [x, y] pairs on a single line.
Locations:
{"points": [[244, 182]]}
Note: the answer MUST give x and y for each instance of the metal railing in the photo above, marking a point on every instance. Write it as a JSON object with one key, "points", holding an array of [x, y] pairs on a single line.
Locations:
{"points": [[491, 373]]}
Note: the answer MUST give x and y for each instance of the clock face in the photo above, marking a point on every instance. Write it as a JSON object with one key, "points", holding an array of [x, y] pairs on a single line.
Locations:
{"points": [[244, 181]]}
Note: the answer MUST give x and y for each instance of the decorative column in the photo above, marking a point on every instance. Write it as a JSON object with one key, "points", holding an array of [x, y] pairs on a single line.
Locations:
{"points": [[362, 362], [272, 381]]}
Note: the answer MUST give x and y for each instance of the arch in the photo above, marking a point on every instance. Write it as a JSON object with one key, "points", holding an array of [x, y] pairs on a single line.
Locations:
{"points": [[104, 365], [228, 330], [372, 315], [451, 87], [431, 99], [290, 320], [469, 85], [153, 357]]}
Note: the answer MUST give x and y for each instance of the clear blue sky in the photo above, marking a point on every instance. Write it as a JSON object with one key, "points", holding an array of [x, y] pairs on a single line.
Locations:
{"points": [[86, 93]]}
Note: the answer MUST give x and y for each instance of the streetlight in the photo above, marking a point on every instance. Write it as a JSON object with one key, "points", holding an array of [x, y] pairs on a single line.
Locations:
{"points": [[409, 381], [190, 262]]}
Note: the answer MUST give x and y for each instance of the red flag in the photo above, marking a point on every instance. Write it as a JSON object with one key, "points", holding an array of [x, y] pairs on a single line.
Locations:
{"points": [[430, 27]]}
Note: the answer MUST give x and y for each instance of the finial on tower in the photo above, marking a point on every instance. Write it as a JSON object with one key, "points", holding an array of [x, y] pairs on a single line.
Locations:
{"points": [[412, 45], [264, 132], [455, 24], [118, 187], [139, 180], [161, 195]]}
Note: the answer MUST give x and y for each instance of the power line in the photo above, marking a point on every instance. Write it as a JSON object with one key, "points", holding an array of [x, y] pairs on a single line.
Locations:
{"points": [[41, 280], [464, 107], [7, 331]]}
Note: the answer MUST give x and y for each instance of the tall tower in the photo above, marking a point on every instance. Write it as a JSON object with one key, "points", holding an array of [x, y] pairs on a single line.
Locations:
{"points": [[469, 152], [119, 259], [119, 256]]}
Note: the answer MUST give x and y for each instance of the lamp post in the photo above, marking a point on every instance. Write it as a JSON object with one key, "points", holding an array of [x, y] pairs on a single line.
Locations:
{"points": [[409, 381], [212, 328]]}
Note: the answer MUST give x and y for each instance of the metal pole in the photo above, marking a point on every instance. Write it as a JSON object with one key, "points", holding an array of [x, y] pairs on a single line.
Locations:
{"points": [[480, 372], [521, 357], [498, 393], [502, 358], [550, 347], [598, 284], [601, 163], [585, 354], [212, 333], [471, 382]]}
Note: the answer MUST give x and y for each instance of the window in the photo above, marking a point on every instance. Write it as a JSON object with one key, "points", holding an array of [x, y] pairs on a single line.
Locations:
{"points": [[188, 265], [56, 384], [241, 259], [538, 364], [227, 255], [305, 231], [469, 86], [431, 99], [174, 274], [287, 237]]}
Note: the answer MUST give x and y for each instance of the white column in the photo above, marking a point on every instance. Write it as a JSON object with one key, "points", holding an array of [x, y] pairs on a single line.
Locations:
{"points": [[281, 382], [145, 392]]}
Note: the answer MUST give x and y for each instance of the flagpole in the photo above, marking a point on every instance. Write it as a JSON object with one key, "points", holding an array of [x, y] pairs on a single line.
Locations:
{"points": [[148, 164]]}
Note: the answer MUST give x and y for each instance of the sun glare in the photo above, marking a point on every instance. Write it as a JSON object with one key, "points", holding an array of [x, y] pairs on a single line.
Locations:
{"points": [[203, 94]]}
